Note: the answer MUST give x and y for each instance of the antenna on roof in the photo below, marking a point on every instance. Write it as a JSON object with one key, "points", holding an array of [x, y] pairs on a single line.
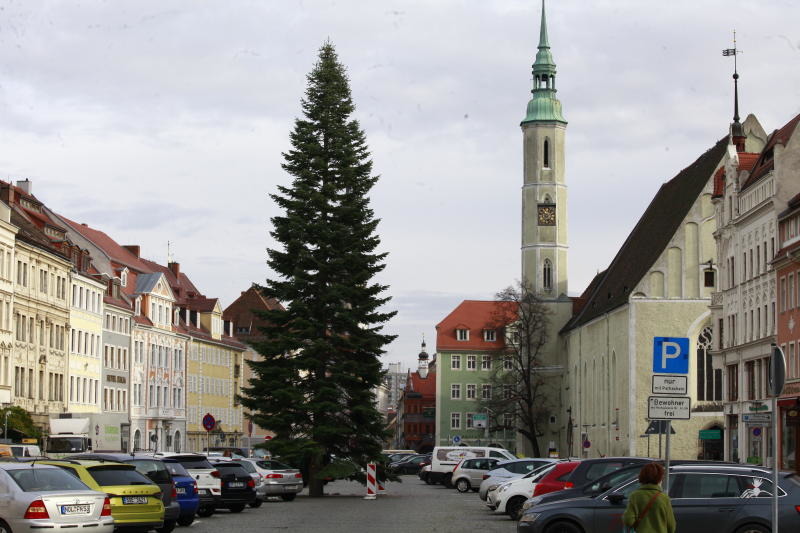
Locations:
{"points": [[169, 258]]}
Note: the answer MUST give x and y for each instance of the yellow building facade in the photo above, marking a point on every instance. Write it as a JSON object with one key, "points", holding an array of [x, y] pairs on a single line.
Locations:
{"points": [[85, 345], [8, 233]]}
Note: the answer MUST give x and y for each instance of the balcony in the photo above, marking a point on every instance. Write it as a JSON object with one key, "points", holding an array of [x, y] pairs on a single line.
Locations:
{"points": [[716, 299]]}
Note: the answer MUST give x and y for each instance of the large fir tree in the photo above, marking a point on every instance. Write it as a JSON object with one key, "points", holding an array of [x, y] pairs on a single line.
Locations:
{"points": [[315, 387]]}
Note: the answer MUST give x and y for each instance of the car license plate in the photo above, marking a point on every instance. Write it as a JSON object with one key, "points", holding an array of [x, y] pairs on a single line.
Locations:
{"points": [[134, 499], [292, 487], [236, 484], [202, 491], [76, 509], [180, 490]]}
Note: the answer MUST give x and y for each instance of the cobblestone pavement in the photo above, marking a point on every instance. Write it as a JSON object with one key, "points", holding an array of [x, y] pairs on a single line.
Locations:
{"points": [[410, 506]]}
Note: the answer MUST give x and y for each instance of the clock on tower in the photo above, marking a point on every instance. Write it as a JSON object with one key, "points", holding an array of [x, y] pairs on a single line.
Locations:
{"points": [[547, 214]]}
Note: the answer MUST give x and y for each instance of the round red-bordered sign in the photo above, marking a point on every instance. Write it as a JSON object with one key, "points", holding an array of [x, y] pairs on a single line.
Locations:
{"points": [[209, 422]]}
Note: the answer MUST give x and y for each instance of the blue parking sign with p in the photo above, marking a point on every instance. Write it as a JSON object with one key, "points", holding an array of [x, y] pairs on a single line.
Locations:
{"points": [[671, 355]]}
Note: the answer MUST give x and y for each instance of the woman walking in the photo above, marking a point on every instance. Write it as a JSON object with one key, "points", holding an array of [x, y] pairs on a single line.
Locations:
{"points": [[649, 510]]}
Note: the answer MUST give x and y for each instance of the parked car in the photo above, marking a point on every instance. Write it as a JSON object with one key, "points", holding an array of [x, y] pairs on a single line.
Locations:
{"points": [[135, 500], [525, 482], [591, 469], [511, 497], [186, 489], [209, 487], [238, 487], [279, 479], [424, 474], [25, 450], [155, 470], [469, 473], [446, 458], [505, 470], [43, 497], [258, 479], [727, 498], [408, 465], [399, 456]]}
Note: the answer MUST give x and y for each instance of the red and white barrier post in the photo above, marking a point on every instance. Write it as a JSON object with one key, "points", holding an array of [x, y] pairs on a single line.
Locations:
{"points": [[372, 481]]}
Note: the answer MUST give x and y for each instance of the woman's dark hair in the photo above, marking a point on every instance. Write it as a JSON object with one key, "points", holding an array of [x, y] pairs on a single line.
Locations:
{"points": [[651, 474]]}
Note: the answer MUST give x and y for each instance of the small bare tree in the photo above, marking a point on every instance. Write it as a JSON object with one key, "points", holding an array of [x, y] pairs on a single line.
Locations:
{"points": [[518, 390]]}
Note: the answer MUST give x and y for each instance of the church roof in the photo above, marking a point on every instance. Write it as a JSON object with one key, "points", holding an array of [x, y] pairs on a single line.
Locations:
{"points": [[649, 237]]}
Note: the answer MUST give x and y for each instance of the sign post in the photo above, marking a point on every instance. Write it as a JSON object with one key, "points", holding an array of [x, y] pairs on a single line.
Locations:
{"points": [[670, 356], [777, 380]]}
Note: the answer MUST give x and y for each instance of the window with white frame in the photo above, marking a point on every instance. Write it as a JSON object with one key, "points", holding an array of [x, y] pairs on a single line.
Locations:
{"points": [[508, 420], [508, 363], [470, 421], [489, 335], [472, 362], [455, 420], [486, 362], [472, 391], [462, 334], [455, 391], [486, 392], [455, 362]]}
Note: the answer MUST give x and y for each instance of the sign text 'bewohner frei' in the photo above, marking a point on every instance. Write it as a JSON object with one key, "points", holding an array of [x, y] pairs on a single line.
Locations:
{"points": [[669, 408]]}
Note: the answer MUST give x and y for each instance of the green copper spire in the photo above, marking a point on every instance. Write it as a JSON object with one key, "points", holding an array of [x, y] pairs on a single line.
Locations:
{"points": [[544, 106]]}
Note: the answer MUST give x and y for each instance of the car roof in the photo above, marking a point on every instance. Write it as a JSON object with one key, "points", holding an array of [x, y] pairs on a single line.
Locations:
{"points": [[511, 461], [12, 465], [88, 463]]}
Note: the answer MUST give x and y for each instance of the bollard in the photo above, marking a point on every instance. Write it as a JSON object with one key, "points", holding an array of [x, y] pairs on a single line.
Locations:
{"points": [[372, 479]]}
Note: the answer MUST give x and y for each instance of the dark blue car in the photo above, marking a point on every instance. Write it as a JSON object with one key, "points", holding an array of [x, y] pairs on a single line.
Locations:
{"points": [[186, 487]]}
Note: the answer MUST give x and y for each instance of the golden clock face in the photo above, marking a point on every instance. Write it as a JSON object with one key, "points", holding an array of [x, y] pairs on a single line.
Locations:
{"points": [[547, 215]]}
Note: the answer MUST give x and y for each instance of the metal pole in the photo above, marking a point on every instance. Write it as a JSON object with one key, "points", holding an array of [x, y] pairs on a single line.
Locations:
{"points": [[659, 439], [775, 463], [666, 461], [5, 426]]}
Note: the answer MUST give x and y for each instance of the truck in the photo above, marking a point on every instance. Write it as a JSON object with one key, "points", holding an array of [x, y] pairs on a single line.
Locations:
{"points": [[86, 432]]}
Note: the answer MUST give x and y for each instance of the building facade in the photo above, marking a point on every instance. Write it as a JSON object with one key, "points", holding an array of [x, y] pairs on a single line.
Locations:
{"points": [[416, 409], [8, 263], [85, 344]]}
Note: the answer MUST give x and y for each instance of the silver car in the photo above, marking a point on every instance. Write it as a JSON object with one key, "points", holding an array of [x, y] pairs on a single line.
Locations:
{"points": [[279, 479], [258, 478], [507, 470], [469, 473], [38, 497]]}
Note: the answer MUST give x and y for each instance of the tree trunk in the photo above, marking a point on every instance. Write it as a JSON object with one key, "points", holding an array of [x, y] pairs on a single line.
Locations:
{"points": [[315, 485]]}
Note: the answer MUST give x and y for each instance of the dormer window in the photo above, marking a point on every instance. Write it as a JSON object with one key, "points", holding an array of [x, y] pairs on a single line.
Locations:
{"points": [[462, 334], [138, 306], [123, 278], [489, 335]]}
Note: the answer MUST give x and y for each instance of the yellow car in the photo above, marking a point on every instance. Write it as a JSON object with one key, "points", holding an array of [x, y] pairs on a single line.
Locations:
{"points": [[135, 500]]}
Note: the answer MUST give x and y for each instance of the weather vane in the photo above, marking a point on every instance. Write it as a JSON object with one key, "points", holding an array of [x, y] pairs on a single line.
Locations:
{"points": [[734, 52]]}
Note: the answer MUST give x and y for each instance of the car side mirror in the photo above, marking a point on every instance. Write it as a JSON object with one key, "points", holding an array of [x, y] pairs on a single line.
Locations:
{"points": [[605, 487], [616, 498]]}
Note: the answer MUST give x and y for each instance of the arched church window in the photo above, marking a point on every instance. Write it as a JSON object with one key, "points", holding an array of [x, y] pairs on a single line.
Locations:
{"points": [[709, 379], [547, 276], [547, 153]]}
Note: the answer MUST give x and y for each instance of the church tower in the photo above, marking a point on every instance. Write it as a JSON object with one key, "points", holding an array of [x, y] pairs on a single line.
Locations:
{"points": [[544, 189]]}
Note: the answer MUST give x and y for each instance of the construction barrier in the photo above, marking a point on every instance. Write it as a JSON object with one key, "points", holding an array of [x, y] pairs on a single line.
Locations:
{"points": [[372, 481]]}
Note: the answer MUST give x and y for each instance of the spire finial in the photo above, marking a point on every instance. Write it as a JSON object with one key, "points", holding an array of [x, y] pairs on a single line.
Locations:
{"points": [[737, 133], [543, 40]]}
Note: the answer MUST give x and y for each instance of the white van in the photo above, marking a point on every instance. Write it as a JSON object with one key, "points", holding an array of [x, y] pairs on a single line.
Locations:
{"points": [[445, 459]]}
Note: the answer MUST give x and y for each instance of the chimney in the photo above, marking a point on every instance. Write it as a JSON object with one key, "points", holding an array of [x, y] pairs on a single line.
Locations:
{"points": [[7, 193], [135, 249], [175, 268], [26, 185]]}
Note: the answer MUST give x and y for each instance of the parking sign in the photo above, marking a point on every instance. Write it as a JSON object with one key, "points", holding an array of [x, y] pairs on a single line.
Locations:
{"points": [[670, 355]]}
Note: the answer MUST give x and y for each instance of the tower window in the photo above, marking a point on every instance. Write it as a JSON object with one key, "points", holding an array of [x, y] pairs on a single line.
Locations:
{"points": [[547, 276], [546, 153]]}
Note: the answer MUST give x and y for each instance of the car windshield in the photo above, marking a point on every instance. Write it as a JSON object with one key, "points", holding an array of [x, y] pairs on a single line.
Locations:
{"points": [[65, 444], [44, 479], [194, 462], [155, 470], [272, 465], [539, 473], [117, 475], [611, 480], [176, 469], [231, 468], [247, 465]]}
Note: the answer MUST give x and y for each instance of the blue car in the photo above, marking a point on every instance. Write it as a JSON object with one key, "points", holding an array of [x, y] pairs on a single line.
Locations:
{"points": [[186, 487]]}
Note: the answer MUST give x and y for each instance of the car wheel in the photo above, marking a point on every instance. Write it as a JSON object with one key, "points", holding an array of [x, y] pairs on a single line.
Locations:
{"points": [[185, 520], [255, 504], [236, 508], [514, 507], [4, 528], [168, 527], [563, 527], [753, 528], [462, 485], [205, 512], [288, 497], [448, 481]]}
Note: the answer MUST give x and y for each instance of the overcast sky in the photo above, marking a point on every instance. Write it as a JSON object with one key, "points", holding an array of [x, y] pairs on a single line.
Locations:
{"points": [[162, 121]]}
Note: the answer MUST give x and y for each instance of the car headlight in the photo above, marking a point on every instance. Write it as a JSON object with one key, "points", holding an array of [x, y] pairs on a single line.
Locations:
{"points": [[530, 502], [529, 517], [502, 488], [493, 487]]}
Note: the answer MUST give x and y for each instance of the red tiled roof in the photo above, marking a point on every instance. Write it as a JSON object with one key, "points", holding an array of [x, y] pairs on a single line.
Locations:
{"points": [[204, 335], [202, 304], [180, 285], [425, 386], [476, 316], [117, 253], [766, 161], [117, 302], [747, 160], [141, 319]]}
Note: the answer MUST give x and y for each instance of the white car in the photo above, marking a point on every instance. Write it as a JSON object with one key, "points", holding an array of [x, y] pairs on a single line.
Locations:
{"points": [[510, 496]]}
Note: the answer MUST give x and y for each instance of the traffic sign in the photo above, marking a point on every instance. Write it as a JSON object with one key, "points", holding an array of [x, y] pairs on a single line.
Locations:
{"points": [[671, 355], [757, 418], [209, 422], [456, 439], [267, 437], [479, 420], [677, 385], [658, 427], [669, 407]]}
